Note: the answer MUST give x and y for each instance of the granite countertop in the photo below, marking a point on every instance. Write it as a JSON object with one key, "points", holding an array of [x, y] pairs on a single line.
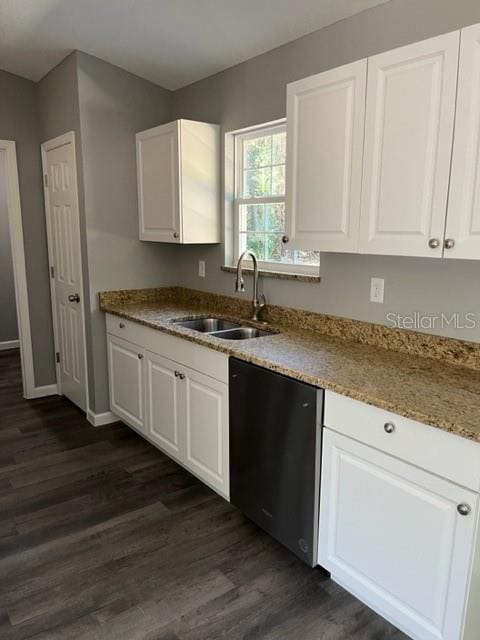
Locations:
{"points": [[428, 389]]}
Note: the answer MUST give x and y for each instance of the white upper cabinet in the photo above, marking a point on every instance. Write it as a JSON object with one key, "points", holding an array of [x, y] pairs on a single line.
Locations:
{"points": [[325, 130], [178, 173], [408, 141], [462, 237]]}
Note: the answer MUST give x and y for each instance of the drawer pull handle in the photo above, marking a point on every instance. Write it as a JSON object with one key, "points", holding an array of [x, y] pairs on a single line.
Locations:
{"points": [[140, 356], [121, 325], [464, 509], [389, 427]]}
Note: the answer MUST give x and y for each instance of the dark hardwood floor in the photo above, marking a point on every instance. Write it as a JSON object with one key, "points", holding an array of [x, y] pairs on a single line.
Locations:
{"points": [[103, 537]]}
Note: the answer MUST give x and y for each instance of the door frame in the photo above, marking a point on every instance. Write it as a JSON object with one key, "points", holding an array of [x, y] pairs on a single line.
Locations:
{"points": [[14, 212], [66, 138]]}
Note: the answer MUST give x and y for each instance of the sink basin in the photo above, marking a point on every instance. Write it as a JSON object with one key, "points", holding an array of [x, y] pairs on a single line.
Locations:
{"points": [[207, 325], [241, 333]]}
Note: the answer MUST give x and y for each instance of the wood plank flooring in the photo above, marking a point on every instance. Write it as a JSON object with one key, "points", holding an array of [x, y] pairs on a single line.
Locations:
{"points": [[104, 538]]}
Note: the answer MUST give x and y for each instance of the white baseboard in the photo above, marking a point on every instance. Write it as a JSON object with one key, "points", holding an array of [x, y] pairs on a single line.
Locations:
{"points": [[101, 419], [9, 344], [41, 392]]}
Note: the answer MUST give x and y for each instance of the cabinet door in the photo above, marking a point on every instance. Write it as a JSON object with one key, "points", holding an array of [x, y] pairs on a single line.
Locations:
{"points": [[165, 420], [325, 129], [126, 365], [408, 143], [206, 420], [158, 184], [392, 535], [463, 217]]}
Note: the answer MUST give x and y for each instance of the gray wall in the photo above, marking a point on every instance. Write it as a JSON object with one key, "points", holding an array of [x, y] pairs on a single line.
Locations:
{"points": [[254, 92], [114, 105], [8, 309], [19, 122]]}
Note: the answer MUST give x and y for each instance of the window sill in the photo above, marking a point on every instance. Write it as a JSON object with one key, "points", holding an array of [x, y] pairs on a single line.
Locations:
{"points": [[280, 275]]}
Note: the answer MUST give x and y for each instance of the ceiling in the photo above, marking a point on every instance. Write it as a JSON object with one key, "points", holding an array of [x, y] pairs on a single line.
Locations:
{"points": [[170, 42]]}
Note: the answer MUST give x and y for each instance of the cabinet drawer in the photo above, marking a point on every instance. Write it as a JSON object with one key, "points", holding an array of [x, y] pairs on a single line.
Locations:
{"points": [[442, 453], [207, 361]]}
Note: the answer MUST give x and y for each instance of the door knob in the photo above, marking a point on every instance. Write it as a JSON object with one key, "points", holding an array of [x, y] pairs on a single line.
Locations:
{"points": [[74, 297], [449, 243], [434, 243], [285, 239], [175, 235]]}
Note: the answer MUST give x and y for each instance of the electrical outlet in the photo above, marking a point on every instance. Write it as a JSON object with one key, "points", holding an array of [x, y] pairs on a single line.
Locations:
{"points": [[201, 268], [377, 286]]}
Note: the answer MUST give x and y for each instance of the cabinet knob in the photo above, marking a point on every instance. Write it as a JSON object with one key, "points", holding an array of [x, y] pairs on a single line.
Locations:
{"points": [[175, 235], [177, 373], [389, 427], [181, 376], [140, 356], [449, 243], [285, 239], [464, 509], [121, 325], [434, 243]]}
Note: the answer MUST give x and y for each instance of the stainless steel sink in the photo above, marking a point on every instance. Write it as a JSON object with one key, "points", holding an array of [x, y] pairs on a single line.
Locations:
{"points": [[241, 333], [207, 325]]}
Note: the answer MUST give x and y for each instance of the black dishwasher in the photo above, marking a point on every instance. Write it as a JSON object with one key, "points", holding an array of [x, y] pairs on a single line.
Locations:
{"points": [[275, 450]]}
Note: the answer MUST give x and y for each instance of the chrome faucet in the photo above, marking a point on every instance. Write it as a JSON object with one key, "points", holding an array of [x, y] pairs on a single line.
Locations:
{"points": [[258, 302]]}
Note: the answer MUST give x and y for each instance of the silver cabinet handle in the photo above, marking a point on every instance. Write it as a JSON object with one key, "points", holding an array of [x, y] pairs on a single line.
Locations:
{"points": [[464, 509], [434, 243], [285, 239], [389, 427], [175, 234], [74, 297], [121, 325], [140, 356], [449, 243]]}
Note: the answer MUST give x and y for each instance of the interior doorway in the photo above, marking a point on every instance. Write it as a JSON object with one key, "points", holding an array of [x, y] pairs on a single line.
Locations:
{"points": [[8, 306], [20, 319]]}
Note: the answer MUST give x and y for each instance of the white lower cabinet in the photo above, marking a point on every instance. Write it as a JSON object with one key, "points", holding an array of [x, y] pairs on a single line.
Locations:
{"points": [[206, 426], [165, 411], [126, 366], [400, 538], [176, 406]]}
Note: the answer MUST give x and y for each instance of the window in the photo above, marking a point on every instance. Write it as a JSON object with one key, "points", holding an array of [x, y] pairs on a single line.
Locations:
{"points": [[259, 203]]}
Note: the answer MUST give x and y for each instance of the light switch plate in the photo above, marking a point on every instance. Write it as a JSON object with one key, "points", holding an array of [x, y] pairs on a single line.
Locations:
{"points": [[201, 268], [377, 286]]}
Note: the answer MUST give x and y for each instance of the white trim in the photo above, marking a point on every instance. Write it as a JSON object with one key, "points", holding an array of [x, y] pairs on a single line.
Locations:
{"points": [[19, 270], [64, 139], [101, 419], [46, 390], [9, 344]]}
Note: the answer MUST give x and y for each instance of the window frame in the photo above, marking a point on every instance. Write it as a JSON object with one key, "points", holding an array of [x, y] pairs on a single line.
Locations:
{"points": [[239, 137]]}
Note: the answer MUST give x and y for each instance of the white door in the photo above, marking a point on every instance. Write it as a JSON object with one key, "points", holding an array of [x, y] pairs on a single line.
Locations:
{"points": [[462, 236], [325, 129], [392, 535], [158, 183], [408, 143], [165, 410], [206, 421], [63, 226], [126, 371]]}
